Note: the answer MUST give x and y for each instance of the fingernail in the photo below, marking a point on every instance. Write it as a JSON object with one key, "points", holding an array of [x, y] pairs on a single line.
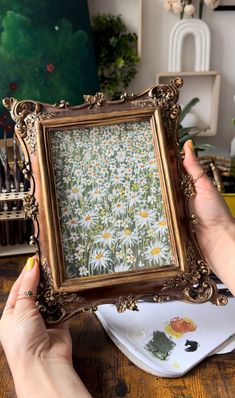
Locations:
{"points": [[29, 264], [190, 144]]}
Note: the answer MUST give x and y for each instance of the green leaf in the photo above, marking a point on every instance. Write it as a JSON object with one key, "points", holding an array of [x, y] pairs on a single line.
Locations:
{"points": [[120, 62], [184, 131], [188, 108], [203, 147], [185, 138]]}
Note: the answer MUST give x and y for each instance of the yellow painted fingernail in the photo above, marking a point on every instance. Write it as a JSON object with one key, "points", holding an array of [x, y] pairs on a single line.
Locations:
{"points": [[190, 144], [29, 264]]}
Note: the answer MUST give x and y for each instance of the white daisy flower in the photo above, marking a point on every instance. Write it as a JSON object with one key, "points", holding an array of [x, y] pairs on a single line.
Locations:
{"points": [[133, 199], [97, 195], [121, 267], [66, 179], [89, 219], [72, 222], [145, 218], [121, 156], [156, 253], [83, 271], [100, 259], [74, 193], [74, 236], [131, 259], [80, 250], [161, 226], [127, 237], [117, 179], [151, 165], [119, 208], [107, 237]]}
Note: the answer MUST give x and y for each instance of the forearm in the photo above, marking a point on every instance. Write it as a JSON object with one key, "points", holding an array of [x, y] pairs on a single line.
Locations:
{"points": [[43, 379], [219, 252]]}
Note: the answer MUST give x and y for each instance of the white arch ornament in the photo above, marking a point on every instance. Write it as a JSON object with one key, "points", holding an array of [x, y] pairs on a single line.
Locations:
{"points": [[201, 34]]}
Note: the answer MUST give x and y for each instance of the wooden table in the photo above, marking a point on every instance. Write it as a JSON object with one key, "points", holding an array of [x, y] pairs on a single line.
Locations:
{"points": [[107, 373]]}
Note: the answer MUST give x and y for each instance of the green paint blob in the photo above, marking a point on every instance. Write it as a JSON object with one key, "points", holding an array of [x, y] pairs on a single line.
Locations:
{"points": [[160, 345]]}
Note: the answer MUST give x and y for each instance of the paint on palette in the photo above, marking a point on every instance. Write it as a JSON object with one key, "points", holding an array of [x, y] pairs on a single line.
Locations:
{"points": [[160, 346], [177, 326], [191, 346]]}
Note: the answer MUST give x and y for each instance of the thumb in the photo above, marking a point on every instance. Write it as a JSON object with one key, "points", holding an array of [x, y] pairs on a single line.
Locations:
{"points": [[28, 287], [193, 168], [191, 163]]}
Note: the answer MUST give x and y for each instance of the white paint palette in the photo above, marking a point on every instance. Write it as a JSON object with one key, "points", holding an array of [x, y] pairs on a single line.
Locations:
{"points": [[206, 327]]}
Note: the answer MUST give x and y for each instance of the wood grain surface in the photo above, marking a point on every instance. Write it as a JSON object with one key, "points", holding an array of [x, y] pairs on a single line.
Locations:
{"points": [[107, 373]]}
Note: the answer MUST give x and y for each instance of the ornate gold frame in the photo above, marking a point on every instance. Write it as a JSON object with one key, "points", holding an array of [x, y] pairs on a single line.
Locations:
{"points": [[187, 279]]}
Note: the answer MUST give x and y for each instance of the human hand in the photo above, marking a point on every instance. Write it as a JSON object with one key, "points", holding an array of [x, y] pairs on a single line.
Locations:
{"points": [[216, 227], [208, 205], [40, 358]]}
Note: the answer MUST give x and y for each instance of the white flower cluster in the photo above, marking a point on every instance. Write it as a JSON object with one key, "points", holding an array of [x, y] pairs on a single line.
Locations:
{"points": [[110, 202], [188, 7]]}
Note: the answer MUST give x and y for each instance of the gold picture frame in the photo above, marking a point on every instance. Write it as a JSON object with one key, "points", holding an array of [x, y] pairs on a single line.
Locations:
{"points": [[109, 201]]}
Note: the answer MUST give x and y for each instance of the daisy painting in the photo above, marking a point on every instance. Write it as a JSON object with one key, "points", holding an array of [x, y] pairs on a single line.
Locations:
{"points": [[110, 203]]}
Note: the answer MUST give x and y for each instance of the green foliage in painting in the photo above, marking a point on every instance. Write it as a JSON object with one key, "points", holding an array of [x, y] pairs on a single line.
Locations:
{"points": [[116, 53], [46, 51]]}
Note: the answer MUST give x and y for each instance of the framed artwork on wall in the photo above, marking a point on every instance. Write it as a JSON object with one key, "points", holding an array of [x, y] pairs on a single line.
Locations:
{"points": [[110, 203]]}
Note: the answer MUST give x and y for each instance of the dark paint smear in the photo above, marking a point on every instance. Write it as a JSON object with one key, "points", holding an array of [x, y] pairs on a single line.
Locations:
{"points": [[191, 346], [160, 345]]}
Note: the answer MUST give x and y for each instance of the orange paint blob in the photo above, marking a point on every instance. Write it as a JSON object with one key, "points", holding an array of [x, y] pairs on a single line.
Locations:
{"points": [[178, 326]]}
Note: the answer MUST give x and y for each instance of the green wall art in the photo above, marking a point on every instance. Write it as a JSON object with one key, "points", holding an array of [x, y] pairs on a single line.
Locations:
{"points": [[46, 52]]}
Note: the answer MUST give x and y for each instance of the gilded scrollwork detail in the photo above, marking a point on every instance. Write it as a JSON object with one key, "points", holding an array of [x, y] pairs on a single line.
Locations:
{"points": [[196, 285], [127, 303], [26, 170], [164, 96], [58, 306], [62, 104], [175, 111], [93, 100], [30, 206], [25, 114], [187, 186]]}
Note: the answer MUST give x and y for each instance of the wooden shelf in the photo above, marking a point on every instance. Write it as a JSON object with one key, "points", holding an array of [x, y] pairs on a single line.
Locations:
{"points": [[16, 250], [205, 86], [12, 215]]}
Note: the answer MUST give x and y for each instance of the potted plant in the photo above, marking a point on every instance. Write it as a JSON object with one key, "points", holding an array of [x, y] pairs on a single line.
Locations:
{"points": [[116, 54]]}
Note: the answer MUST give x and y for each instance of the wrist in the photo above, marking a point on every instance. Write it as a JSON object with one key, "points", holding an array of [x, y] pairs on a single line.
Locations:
{"points": [[52, 378]]}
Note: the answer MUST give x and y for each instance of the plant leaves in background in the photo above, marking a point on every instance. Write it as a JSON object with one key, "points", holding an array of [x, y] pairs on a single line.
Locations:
{"points": [[116, 54]]}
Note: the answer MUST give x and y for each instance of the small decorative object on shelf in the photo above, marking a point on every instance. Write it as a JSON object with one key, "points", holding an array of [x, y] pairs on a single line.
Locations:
{"points": [[201, 79], [190, 8], [15, 230]]}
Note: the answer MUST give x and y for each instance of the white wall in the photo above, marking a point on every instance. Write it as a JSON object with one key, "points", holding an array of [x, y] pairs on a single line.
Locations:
{"points": [[156, 26]]}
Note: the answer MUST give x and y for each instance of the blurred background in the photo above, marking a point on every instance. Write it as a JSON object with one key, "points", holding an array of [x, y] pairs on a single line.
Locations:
{"points": [[49, 53]]}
